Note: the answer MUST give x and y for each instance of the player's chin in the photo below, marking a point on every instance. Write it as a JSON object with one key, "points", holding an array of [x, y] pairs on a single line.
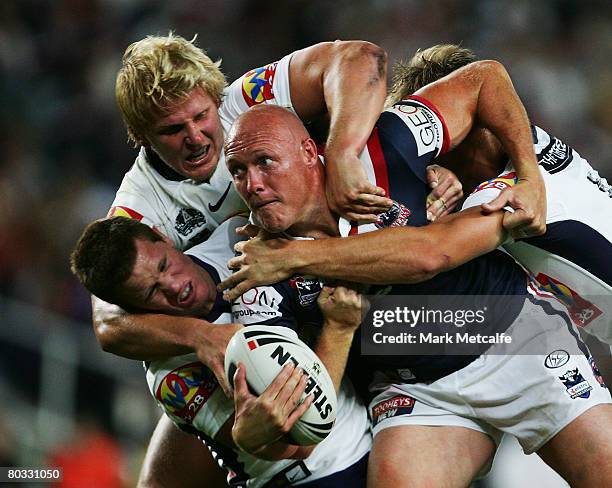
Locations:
{"points": [[199, 172], [271, 223]]}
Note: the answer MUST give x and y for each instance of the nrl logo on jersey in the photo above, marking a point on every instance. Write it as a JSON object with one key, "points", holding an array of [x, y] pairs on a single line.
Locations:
{"points": [[396, 216], [189, 219]]}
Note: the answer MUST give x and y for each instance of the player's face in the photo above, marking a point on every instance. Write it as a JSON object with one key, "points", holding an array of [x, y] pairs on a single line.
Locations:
{"points": [[190, 138], [268, 172], [166, 280]]}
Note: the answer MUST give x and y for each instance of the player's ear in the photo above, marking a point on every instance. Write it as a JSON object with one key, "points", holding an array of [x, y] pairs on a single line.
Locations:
{"points": [[310, 151]]}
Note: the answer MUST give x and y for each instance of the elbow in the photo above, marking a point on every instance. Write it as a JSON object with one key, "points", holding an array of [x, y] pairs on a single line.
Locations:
{"points": [[303, 452], [490, 68], [105, 336], [432, 263], [375, 55]]}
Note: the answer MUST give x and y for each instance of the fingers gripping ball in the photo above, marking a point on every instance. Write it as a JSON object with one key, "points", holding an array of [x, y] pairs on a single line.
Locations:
{"points": [[264, 350]]}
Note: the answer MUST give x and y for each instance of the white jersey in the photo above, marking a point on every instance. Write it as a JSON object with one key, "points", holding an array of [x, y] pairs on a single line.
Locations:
{"points": [[573, 259], [184, 210], [189, 394]]}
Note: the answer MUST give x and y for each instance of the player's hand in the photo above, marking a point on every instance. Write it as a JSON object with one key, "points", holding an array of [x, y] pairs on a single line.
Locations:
{"points": [[341, 307], [528, 199], [261, 420], [349, 193], [262, 260], [211, 350], [447, 192]]}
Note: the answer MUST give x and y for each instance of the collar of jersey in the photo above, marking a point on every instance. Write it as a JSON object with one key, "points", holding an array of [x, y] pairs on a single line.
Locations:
{"points": [[162, 168], [221, 306]]}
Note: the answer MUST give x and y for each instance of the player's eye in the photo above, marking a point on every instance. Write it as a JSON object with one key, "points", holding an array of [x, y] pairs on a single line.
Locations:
{"points": [[169, 130], [163, 264]]}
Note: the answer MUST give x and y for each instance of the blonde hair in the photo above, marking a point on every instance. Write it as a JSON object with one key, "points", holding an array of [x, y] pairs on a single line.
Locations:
{"points": [[425, 67], [158, 71]]}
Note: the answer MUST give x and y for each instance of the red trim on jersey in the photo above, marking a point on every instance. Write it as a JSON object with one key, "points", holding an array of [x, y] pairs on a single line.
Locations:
{"points": [[378, 161], [432, 107], [380, 169], [252, 345]]}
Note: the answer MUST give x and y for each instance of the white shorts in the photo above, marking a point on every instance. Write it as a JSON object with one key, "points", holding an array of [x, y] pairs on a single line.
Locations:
{"points": [[531, 389]]}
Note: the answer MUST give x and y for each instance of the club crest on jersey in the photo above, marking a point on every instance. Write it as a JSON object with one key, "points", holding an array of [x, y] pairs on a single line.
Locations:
{"points": [[575, 384], [257, 84], [596, 372], [308, 289], [393, 407], [185, 390], [120, 211], [580, 310], [556, 156], [396, 216], [189, 219], [500, 183]]}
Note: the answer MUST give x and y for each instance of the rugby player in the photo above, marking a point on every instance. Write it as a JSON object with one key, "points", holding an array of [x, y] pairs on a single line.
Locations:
{"points": [[138, 268], [573, 259], [471, 400], [176, 107], [575, 253]]}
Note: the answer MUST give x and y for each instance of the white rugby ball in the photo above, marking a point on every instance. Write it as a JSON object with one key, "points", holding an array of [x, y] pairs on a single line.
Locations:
{"points": [[264, 350]]}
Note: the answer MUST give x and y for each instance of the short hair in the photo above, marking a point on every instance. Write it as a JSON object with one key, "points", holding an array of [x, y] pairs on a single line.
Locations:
{"points": [[425, 67], [161, 70], [104, 256]]}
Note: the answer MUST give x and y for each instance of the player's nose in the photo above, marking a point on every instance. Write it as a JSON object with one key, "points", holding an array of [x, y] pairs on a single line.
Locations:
{"points": [[255, 181], [194, 135]]}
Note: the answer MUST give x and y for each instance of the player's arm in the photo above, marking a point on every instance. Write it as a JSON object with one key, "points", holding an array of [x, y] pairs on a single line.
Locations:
{"points": [[150, 336], [341, 308], [482, 94], [391, 255], [348, 81], [175, 458]]}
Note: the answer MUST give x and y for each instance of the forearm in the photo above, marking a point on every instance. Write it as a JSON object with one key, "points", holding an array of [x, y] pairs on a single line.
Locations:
{"points": [[145, 336], [333, 349], [354, 86], [502, 112], [399, 255]]}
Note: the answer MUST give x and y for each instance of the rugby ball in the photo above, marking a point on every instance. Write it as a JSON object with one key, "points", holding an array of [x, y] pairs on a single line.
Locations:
{"points": [[264, 350]]}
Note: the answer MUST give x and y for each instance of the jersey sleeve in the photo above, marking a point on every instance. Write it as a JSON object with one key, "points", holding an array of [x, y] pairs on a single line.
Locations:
{"points": [[189, 394], [267, 84]]}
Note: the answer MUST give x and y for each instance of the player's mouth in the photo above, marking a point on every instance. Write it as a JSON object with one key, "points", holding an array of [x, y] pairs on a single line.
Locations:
{"points": [[261, 204], [198, 157], [186, 295]]}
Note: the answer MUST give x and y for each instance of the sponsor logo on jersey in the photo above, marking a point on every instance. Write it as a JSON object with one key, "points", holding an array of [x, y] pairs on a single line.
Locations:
{"points": [[185, 390], [258, 304], [120, 211], [307, 287], [187, 220], [580, 310], [575, 384], [393, 407], [556, 359], [396, 216], [596, 372], [500, 183], [556, 156], [257, 84], [424, 125]]}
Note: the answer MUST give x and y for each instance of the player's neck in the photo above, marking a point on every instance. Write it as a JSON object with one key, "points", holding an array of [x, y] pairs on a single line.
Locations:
{"points": [[319, 223]]}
